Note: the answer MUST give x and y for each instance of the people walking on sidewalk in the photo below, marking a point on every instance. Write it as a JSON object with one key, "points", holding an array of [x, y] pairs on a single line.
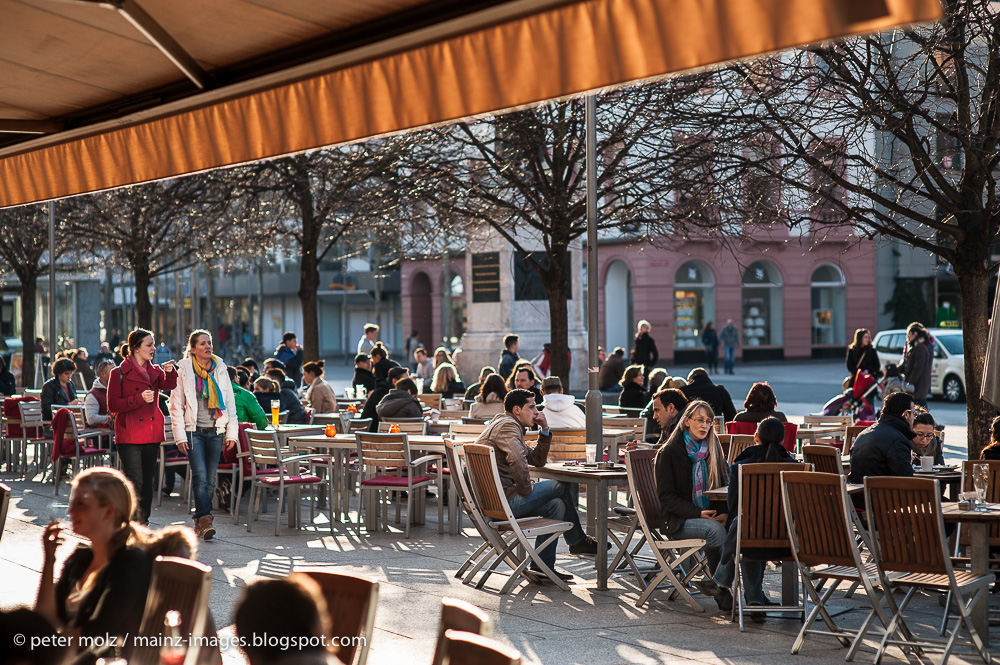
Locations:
{"points": [[644, 349], [730, 338]]}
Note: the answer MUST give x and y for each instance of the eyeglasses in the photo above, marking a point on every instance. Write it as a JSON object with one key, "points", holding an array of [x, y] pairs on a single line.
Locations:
{"points": [[702, 421], [929, 435]]}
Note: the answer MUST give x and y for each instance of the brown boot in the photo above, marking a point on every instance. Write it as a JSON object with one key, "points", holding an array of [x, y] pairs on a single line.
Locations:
{"points": [[205, 529], [198, 531]]}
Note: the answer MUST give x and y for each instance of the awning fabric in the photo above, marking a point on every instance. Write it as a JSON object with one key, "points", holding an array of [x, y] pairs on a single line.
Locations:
{"points": [[507, 55]]}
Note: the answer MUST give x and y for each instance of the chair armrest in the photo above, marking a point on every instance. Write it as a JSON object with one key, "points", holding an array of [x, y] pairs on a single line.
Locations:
{"points": [[245, 453], [426, 459], [624, 510], [300, 458]]}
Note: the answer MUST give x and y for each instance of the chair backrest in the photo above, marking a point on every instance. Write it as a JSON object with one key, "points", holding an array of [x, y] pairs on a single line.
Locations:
{"points": [[4, 505], [850, 434], [32, 392], [992, 495], [405, 426], [351, 602], [761, 516], [791, 436], [737, 445], [263, 447], [454, 414], [531, 436], [906, 522], [719, 424], [383, 449], [329, 419], [568, 444], [740, 427], [725, 440], [460, 616], [466, 429], [461, 648], [177, 584], [358, 425], [452, 404], [466, 420], [480, 461], [642, 485], [824, 458], [827, 421], [430, 400], [31, 413], [818, 518], [636, 424]]}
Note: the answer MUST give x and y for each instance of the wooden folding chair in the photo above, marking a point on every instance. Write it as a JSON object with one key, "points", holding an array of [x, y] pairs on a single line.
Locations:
{"points": [[737, 444], [636, 424], [351, 601], [4, 505], [824, 458], [461, 648], [379, 452], [568, 444], [761, 524], [912, 554], [461, 616], [492, 502], [850, 434], [670, 554], [466, 429], [181, 585], [820, 519], [494, 541], [430, 400]]}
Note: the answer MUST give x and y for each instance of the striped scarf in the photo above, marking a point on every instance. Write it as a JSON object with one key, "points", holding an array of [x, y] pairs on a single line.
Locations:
{"points": [[698, 452], [206, 386]]}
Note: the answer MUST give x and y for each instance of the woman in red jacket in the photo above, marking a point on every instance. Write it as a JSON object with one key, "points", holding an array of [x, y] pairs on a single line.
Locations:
{"points": [[133, 397]]}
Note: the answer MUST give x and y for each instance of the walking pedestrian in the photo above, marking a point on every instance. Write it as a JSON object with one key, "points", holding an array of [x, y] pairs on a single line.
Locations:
{"points": [[203, 414], [730, 338], [917, 362], [644, 349], [133, 398], [368, 340], [508, 357], [710, 339], [861, 355], [289, 352]]}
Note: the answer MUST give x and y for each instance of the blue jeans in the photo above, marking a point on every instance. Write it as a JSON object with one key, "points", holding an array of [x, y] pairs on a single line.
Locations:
{"points": [[700, 528], [203, 455], [753, 578], [730, 361], [556, 501]]}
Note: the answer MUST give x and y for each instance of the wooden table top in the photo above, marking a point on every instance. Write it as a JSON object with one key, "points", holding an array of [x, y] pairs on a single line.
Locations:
{"points": [[577, 471]]}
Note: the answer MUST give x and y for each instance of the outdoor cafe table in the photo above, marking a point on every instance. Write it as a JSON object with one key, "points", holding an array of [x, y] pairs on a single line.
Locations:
{"points": [[341, 444], [977, 523], [288, 430], [599, 484]]}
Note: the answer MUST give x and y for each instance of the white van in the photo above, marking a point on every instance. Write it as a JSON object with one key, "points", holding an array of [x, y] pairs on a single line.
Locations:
{"points": [[948, 370]]}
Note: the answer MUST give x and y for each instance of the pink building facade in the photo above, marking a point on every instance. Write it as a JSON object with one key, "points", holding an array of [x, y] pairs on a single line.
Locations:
{"points": [[789, 298]]}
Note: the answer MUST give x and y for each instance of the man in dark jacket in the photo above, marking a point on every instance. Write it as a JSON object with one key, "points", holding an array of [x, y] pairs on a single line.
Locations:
{"points": [[363, 375], [382, 388], [700, 386], [400, 402], [662, 415], [884, 448], [473, 390], [290, 353], [508, 357]]}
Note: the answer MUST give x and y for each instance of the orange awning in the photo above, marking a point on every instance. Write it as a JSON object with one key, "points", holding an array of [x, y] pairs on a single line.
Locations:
{"points": [[98, 95]]}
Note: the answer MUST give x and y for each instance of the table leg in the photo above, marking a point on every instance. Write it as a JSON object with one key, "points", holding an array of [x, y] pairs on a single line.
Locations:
{"points": [[602, 489], [789, 583], [979, 532]]}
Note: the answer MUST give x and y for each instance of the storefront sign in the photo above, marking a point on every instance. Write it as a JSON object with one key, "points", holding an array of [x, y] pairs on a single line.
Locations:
{"points": [[486, 277]]}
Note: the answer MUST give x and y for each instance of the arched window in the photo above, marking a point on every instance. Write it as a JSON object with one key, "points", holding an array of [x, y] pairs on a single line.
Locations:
{"points": [[763, 314], [829, 306], [618, 323], [694, 303]]}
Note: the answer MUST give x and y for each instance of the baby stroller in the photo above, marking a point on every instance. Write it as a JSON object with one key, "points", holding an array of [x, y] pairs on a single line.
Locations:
{"points": [[857, 400]]}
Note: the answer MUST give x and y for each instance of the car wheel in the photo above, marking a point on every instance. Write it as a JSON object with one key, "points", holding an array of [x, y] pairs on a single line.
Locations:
{"points": [[952, 388]]}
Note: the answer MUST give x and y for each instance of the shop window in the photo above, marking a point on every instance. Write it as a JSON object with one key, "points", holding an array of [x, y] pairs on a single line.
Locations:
{"points": [[528, 283], [694, 303], [829, 306], [762, 305]]}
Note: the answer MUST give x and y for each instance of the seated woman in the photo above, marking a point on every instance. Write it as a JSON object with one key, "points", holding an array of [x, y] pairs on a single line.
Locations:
{"points": [[447, 382], [489, 401], [992, 451], [769, 448], [689, 464], [320, 394], [927, 443], [633, 396], [102, 588], [60, 389], [759, 404]]}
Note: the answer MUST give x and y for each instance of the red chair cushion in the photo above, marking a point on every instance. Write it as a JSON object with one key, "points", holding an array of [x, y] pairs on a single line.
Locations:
{"points": [[445, 470], [87, 450], [394, 481], [290, 480]]}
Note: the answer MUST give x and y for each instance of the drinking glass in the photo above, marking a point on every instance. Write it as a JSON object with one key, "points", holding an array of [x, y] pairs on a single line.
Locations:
{"points": [[275, 408], [980, 481]]}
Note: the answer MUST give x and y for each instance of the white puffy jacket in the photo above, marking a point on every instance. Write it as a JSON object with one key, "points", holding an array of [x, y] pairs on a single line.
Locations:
{"points": [[562, 412], [184, 403]]}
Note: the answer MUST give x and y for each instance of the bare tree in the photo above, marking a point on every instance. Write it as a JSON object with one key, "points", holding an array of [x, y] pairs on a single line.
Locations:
{"points": [[893, 135], [24, 246], [523, 175], [162, 227], [321, 200]]}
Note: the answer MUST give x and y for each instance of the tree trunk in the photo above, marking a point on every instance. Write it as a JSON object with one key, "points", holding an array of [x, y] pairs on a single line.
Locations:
{"points": [[974, 284], [557, 287], [143, 306], [308, 284], [29, 288]]}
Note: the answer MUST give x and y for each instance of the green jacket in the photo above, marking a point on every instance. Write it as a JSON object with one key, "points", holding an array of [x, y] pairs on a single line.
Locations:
{"points": [[248, 408]]}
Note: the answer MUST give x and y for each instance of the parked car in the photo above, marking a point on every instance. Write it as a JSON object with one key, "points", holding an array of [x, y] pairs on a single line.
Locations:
{"points": [[948, 370]]}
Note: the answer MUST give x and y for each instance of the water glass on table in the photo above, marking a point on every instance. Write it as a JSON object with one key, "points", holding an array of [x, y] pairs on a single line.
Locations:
{"points": [[980, 482]]}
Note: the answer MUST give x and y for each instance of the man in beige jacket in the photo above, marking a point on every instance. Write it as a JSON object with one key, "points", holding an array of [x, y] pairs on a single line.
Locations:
{"points": [[529, 498]]}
